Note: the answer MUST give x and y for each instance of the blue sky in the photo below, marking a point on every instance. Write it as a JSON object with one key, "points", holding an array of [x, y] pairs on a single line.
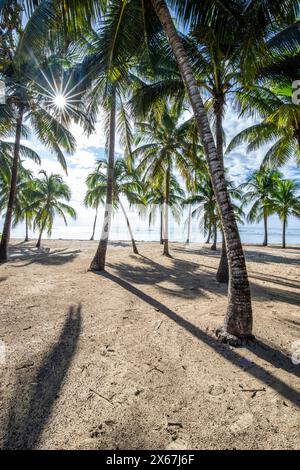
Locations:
{"points": [[240, 164]]}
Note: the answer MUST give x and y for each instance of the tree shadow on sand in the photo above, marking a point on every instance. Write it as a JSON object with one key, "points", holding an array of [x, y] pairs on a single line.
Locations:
{"points": [[28, 417], [188, 279], [180, 279], [261, 349], [43, 256]]}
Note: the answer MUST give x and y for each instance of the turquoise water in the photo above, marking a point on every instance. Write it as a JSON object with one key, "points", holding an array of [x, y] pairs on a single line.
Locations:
{"points": [[249, 234]]}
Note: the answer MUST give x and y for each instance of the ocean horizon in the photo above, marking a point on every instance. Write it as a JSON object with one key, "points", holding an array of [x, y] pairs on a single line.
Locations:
{"points": [[249, 234]]}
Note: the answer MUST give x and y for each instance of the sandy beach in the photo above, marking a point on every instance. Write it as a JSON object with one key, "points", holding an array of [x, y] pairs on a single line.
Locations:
{"points": [[128, 359]]}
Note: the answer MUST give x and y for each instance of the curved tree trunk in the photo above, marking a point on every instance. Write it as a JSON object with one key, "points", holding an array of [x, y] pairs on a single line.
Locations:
{"points": [[265, 242], [223, 270], [12, 192], [215, 235], [135, 250], [26, 229], [98, 263], [166, 213], [209, 235], [38, 244], [238, 319], [94, 226], [189, 225], [283, 233]]}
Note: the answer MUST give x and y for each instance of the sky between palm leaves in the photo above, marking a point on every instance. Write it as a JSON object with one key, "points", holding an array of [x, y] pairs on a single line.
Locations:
{"points": [[240, 164]]}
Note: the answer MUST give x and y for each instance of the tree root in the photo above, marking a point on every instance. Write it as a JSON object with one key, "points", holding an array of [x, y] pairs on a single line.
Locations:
{"points": [[236, 341]]}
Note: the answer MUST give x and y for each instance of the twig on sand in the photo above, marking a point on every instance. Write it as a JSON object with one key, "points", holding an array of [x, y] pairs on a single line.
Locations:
{"points": [[253, 390], [101, 396], [155, 368]]}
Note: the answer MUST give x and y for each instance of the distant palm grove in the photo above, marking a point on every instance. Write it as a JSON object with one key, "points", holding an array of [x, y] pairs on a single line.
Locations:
{"points": [[161, 73]]}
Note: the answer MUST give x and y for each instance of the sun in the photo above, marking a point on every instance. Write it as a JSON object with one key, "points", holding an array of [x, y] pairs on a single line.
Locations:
{"points": [[60, 101]]}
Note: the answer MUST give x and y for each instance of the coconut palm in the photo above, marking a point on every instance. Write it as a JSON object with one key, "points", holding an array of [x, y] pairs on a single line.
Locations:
{"points": [[126, 185], [259, 189], [285, 202], [164, 147], [32, 95], [154, 200], [51, 191], [25, 196]]}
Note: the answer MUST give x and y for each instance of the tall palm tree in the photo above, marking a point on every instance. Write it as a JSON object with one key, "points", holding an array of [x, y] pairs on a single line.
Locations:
{"points": [[259, 189], [286, 202], [51, 191], [126, 185], [162, 150]]}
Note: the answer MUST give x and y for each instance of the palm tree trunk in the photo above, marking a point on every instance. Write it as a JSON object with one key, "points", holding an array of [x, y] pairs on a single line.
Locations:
{"points": [[98, 263], [26, 229], [283, 233], [209, 235], [12, 192], [94, 226], [135, 250], [166, 213], [265, 242], [161, 224], [215, 235], [223, 270], [38, 244], [189, 225], [238, 319]]}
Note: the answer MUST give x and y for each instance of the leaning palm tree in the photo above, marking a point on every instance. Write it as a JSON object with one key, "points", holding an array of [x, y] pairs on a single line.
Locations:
{"points": [[164, 148], [285, 202], [126, 185], [259, 189], [51, 191]]}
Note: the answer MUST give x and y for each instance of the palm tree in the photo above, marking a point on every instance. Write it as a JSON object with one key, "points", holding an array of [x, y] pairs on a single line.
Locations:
{"points": [[238, 319], [154, 200], [125, 184], [31, 95], [259, 189], [50, 192], [164, 142], [95, 195], [206, 210], [25, 196], [285, 202]]}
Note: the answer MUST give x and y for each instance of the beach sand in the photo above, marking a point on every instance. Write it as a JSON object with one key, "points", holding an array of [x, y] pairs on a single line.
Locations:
{"points": [[128, 359]]}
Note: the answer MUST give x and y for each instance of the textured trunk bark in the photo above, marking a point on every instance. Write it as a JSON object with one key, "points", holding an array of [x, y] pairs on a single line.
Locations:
{"points": [[283, 233], [215, 235], [265, 242], [135, 250], [189, 225], [26, 229], [161, 225], [94, 226], [38, 244], [166, 213], [12, 192], [209, 235], [223, 270], [238, 319], [98, 263]]}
